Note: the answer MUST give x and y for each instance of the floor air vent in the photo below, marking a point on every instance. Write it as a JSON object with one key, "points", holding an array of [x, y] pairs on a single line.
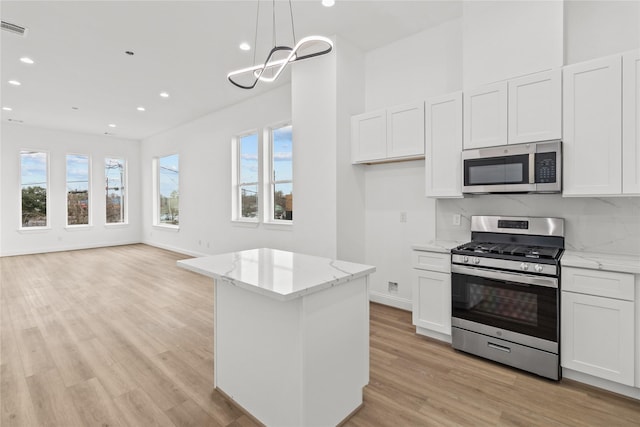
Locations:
{"points": [[13, 28]]}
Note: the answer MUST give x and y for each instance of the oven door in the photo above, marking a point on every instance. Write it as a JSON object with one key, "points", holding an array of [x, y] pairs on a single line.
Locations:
{"points": [[516, 307]]}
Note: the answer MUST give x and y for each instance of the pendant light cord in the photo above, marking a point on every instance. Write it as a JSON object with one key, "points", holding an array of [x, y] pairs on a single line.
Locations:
{"points": [[255, 39], [293, 31], [273, 11]]}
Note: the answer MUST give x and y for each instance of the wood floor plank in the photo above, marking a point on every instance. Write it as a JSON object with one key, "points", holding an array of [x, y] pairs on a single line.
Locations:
{"points": [[87, 343]]}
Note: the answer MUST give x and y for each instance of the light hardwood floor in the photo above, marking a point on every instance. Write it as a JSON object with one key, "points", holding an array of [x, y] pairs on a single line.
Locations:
{"points": [[120, 336]]}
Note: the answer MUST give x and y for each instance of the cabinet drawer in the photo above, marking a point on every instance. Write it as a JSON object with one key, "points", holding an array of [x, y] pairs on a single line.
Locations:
{"points": [[433, 261], [599, 283]]}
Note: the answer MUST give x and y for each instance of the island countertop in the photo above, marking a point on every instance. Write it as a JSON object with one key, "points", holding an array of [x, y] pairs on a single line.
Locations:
{"points": [[277, 274]]}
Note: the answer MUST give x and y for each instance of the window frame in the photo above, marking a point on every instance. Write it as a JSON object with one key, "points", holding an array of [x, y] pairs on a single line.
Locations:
{"points": [[89, 192], [269, 181], [156, 192], [125, 183], [47, 226], [236, 190]]}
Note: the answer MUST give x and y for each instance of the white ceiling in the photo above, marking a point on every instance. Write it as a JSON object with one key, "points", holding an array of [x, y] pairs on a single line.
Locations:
{"points": [[183, 47]]}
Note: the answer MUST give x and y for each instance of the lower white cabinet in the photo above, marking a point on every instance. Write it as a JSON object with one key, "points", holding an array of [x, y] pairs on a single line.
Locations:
{"points": [[432, 301], [431, 280], [598, 331]]}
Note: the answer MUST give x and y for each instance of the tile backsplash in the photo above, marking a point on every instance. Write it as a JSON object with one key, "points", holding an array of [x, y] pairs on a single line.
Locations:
{"points": [[610, 225]]}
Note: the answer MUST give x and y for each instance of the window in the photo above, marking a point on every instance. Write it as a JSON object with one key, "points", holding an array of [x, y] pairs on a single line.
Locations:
{"points": [[77, 189], [115, 177], [281, 174], [34, 190], [248, 173], [168, 190]]}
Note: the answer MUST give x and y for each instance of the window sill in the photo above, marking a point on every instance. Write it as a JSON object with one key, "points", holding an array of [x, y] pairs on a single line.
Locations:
{"points": [[34, 229], [79, 227], [245, 223], [167, 227]]}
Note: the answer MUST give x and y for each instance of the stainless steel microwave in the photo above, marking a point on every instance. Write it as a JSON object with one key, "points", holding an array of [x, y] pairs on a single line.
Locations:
{"points": [[518, 168]]}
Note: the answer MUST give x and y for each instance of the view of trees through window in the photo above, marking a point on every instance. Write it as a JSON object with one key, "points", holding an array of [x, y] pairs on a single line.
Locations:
{"points": [[33, 180], [168, 188], [248, 179], [114, 172], [282, 167], [77, 189]]}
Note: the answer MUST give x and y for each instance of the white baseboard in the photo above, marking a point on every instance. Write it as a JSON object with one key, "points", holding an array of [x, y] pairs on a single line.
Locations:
{"points": [[175, 249], [432, 334], [391, 300], [601, 383], [68, 248]]}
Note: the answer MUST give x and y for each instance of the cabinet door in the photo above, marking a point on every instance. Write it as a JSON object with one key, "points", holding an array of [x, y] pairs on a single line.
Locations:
{"points": [[432, 301], [369, 137], [535, 107], [485, 116], [592, 100], [443, 127], [631, 123], [405, 131], [597, 336]]}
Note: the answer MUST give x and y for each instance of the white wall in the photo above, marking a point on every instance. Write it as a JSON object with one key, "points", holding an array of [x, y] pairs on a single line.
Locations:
{"points": [[204, 147], [599, 28], [58, 237], [413, 69], [506, 39]]}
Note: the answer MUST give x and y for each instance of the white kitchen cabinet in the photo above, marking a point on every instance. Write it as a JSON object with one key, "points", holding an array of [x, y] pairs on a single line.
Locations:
{"points": [[405, 130], [443, 166], [485, 116], [631, 123], [391, 134], [431, 277], [592, 117], [535, 107], [597, 322], [369, 136]]}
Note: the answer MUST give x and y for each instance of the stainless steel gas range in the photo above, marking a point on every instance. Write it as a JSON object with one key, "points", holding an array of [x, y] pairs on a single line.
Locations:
{"points": [[506, 292]]}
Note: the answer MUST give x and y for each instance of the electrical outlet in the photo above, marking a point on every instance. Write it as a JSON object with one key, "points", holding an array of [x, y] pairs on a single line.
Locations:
{"points": [[456, 219], [403, 217], [393, 286]]}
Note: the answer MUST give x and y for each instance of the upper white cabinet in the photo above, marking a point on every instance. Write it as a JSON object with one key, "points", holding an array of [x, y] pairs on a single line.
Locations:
{"points": [[369, 136], [526, 109], [396, 133], [443, 123], [485, 116], [592, 99], [631, 123], [535, 107]]}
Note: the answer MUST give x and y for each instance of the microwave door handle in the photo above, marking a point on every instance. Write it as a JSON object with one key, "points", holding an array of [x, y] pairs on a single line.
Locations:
{"points": [[532, 165]]}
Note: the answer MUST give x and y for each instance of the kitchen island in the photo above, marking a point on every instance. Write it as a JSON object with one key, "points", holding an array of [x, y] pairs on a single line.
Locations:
{"points": [[291, 334]]}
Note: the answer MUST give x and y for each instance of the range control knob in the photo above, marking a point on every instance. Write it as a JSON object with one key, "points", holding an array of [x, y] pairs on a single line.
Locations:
{"points": [[524, 266], [476, 260], [538, 268], [465, 259]]}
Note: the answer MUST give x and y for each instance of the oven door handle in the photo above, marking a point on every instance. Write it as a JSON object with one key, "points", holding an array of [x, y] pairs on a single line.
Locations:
{"points": [[549, 282]]}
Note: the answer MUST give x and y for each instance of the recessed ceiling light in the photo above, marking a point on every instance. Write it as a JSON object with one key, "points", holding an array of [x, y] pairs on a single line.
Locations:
{"points": [[7, 108], [14, 82], [164, 94], [112, 125], [245, 46], [27, 60], [328, 3], [141, 109]]}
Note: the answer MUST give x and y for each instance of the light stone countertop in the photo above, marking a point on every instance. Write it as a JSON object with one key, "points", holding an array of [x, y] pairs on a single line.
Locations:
{"points": [[442, 246], [601, 261], [277, 274]]}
